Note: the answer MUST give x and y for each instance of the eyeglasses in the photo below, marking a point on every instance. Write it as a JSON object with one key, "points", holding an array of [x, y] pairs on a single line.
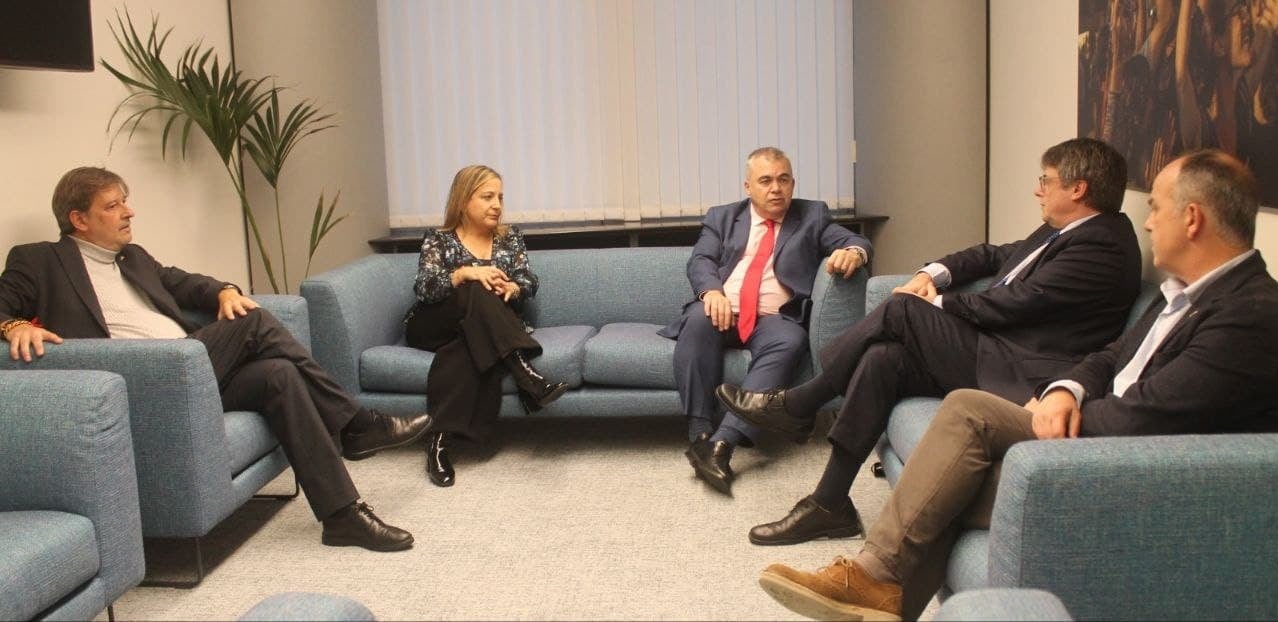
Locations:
{"points": [[1042, 181]]}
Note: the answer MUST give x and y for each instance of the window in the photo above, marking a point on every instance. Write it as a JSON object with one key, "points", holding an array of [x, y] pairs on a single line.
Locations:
{"points": [[612, 110]]}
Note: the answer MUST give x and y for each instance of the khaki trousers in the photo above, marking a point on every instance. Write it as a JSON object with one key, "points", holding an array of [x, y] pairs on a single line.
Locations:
{"points": [[948, 484]]}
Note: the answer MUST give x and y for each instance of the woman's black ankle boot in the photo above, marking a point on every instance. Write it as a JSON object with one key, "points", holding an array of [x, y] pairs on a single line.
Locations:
{"points": [[535, 390], [438, 466]]}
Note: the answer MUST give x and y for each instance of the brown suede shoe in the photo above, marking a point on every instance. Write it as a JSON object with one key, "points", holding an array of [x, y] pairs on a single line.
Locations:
{"points": [[840, 591]]}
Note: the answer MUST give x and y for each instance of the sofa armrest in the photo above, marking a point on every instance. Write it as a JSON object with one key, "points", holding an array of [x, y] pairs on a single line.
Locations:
{"points": [[837, 303], [1002, 604], [67, 447], [1142, 527], [290, 310], [353, 308], [879, 288], [175, 417]]}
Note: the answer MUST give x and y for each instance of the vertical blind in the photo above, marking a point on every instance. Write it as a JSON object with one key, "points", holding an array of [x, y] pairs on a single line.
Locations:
{"points": [[610, 110]]}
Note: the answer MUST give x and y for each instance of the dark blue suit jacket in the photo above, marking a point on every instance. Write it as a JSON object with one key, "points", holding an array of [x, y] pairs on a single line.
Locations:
{"points": [[808, 235]]}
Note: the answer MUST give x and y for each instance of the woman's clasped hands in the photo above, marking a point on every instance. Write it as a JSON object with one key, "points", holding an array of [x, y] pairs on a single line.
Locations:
{"points": [[493, 279]]}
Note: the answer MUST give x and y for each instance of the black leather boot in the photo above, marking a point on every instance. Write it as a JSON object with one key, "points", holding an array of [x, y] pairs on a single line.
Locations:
{"points": [[535, 391], [438, 467]]}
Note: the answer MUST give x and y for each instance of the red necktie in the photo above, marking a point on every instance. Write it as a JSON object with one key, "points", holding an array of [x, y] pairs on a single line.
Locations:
{"points": [[749, 313]]}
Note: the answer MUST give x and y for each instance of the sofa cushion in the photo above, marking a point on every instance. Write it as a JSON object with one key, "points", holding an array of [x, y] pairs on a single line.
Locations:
{"points": [[248, 438], [47, 556], [401, 369], [634, 355], [910, 419], [969, 567]]}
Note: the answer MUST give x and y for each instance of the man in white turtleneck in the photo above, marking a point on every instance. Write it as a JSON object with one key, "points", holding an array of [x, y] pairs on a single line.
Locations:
{"points": [[94, 282]]}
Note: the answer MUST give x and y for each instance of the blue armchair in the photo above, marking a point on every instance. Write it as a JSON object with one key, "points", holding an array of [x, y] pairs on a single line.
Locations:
{"points": [[1157, 527], [195, 463], [69, 522]]}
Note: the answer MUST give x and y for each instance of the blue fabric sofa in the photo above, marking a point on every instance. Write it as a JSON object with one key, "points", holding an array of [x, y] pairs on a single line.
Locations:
{"points": [[596, 315], [195, 463], [1160, 527], [70, 530]]}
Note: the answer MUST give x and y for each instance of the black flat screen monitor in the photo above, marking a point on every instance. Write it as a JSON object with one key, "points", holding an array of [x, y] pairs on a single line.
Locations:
{"points": [[46, 34]]}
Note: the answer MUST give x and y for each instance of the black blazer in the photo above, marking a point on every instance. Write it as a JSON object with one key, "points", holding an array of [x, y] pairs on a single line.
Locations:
{"points": [[1217, 370], [1072, 301], [48, 280]]}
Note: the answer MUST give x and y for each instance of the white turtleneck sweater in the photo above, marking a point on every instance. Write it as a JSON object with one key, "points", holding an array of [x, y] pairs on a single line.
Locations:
{"points": [[129, 314]]}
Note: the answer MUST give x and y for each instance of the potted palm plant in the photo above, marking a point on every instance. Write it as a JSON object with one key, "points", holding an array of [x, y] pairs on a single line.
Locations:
{"points": [[238, 114]]}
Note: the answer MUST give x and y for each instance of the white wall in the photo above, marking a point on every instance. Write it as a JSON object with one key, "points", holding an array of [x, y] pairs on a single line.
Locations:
{"points": [[920, 126], [325, 50], [187, 213], [1034, 104]]}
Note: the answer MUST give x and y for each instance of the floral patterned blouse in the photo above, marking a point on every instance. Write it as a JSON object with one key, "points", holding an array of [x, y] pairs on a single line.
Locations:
{"points": [[443, 252]]}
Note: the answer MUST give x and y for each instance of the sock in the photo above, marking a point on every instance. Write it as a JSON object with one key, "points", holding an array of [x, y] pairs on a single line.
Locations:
{"points": [[731, 436], [804, 400], [836, 482], [875, 567], [697, 426], [363, 418]]}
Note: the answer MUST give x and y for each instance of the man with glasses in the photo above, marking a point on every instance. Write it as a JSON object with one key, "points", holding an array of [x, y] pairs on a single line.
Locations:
{"points": [[1200, 360], [1059, 294]]}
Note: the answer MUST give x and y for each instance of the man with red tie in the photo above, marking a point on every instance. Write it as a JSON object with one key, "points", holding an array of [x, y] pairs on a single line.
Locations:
{"points": [[752, 271]]}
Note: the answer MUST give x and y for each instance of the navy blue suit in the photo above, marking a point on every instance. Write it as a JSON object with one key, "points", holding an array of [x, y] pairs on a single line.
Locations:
{"points": [[807, 235]]}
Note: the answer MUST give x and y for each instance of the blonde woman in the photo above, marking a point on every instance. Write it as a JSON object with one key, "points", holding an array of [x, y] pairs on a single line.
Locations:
{"points": [[472, 278]]}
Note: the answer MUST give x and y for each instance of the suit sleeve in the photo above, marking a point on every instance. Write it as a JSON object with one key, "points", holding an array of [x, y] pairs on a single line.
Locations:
{"points": [[1221, 373], [835, 237], [703, 266], [977, 261], [1081, 271], [17, 288], [189, 289]]}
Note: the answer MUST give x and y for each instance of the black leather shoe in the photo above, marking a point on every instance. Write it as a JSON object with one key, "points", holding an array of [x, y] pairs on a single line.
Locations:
{"points": [[356, 525], [535, 391], [809, 521], [385, 432], [766, 410], [710, 461], [438, 467]]}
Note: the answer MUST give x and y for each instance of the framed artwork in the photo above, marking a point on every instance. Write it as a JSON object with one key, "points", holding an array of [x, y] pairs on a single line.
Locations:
{"points": [[1158, 78]]}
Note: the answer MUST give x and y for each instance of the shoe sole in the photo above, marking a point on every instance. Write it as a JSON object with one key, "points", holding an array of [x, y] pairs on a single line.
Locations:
{"points": [[356, 456], [832, 534], [327, 541], [441, 483], [809, 603], [722, 486]]}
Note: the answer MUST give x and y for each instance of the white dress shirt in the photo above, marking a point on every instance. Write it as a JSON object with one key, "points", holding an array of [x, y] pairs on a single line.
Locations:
{"points": [[772, 294], [1180, 299]]}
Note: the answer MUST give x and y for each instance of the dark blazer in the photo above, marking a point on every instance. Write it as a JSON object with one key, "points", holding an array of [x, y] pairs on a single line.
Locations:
{"points": [[1070, 302], [1216, 371], [808, 234], [48, 280]]}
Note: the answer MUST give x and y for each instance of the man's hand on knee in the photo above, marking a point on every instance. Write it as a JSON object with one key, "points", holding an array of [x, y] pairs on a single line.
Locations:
{"points": [[921, 285], [1056, 415], [231, 304], [718, 309]]}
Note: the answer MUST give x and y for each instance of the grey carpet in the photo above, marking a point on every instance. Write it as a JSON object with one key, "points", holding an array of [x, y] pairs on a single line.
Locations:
{"points": [[556, 519]]}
